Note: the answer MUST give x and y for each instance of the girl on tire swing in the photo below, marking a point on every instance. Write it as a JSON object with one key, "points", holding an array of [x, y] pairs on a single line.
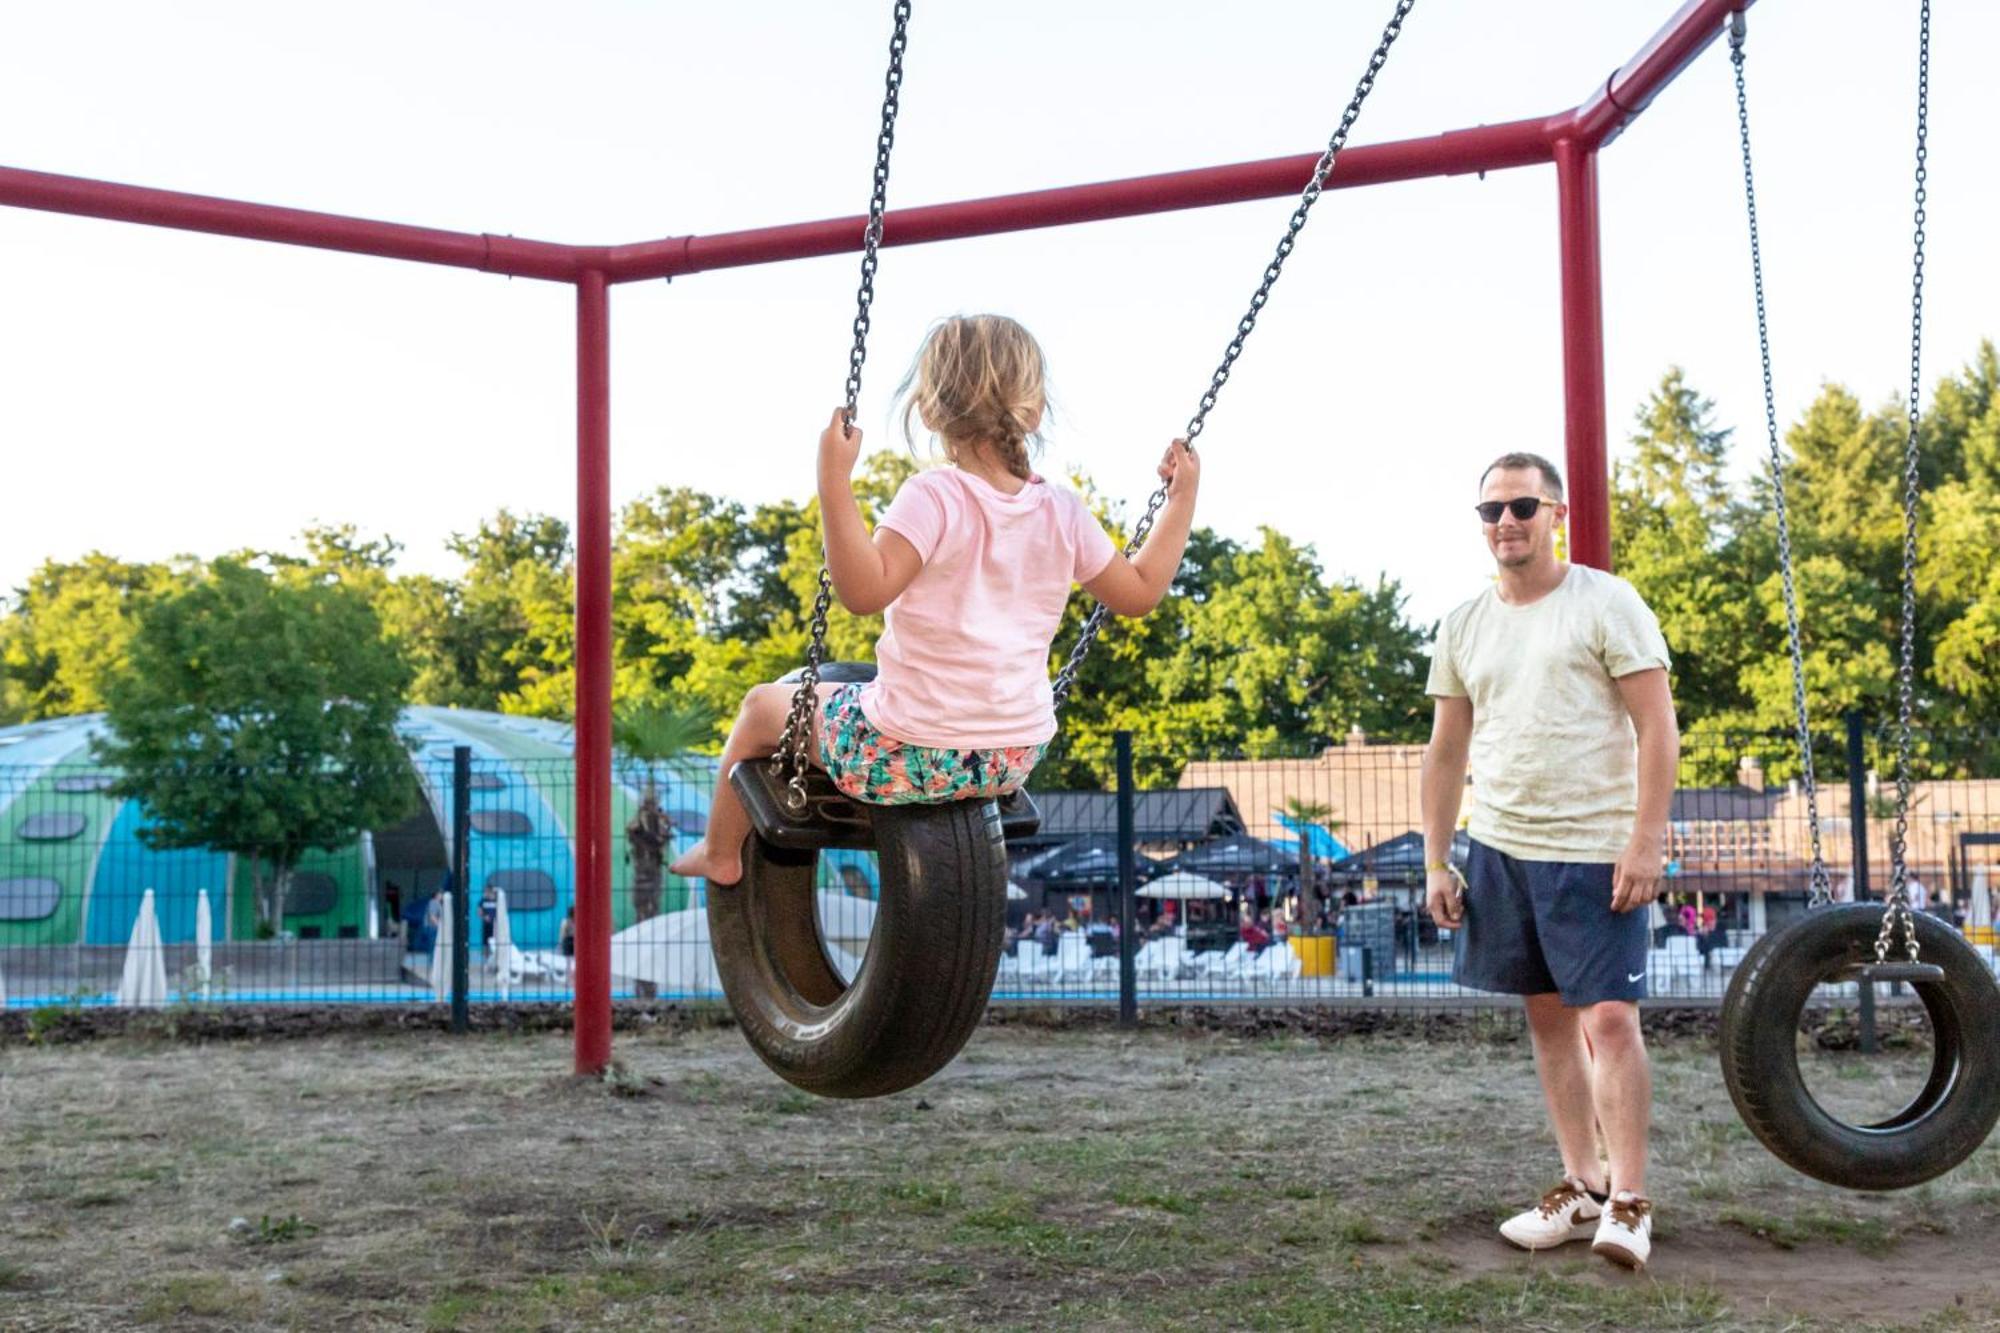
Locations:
{"points": [[971, 567]]}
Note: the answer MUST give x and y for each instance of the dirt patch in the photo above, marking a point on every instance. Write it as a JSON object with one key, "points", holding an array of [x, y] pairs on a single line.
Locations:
{"points": [[1921, 1276], [1200, 1175]]}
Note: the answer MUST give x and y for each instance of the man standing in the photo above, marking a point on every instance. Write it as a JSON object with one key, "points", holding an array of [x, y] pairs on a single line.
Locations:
{"points": [[1552, 686]]}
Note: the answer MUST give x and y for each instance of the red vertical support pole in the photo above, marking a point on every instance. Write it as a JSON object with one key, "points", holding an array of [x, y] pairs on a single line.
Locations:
{"points": [[1583, 357], [592, 830]]}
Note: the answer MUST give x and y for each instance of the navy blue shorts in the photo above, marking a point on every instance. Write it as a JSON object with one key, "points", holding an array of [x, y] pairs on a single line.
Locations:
{"points": [[1532, 927]]}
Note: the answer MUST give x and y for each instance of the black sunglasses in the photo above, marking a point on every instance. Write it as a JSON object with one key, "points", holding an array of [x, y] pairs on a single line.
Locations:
{"points": [[1522, 507]]}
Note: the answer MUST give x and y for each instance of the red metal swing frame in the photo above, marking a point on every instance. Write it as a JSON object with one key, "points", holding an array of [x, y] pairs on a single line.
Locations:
{"points": [[1570, 139]]}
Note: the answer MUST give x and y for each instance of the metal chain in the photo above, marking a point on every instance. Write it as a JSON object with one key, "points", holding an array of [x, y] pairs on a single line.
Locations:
{"points": [[1821, 891], [1899, 896], [1066, 679], [795, 744]]}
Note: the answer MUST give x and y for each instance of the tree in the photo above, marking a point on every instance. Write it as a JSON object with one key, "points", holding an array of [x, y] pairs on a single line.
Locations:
{"points": [[257, 716], [1112, 689], [518, 606], [67, 631], [1305, 816], [1958, 579], [1690, 550]]}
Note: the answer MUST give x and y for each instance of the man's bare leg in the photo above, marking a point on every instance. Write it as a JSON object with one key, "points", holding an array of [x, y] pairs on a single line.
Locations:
{"points": [[1563, 1060], [718, 857], [1621, 1089]]}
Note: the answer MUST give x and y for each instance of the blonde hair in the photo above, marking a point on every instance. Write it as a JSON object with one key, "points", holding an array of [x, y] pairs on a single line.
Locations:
{"points": [[978, 380]]}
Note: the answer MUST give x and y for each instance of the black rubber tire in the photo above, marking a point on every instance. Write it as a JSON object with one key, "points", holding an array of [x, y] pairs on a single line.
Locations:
{"points": [[1941, 1126], [924, 980]]}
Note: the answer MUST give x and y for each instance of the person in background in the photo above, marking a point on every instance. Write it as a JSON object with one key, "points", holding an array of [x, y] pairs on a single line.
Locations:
{"points": [[1253, 935]]}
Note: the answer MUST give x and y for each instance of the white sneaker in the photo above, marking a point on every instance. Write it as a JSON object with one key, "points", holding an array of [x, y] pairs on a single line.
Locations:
{"points": [[1566, 1213], [1625, 1234]]}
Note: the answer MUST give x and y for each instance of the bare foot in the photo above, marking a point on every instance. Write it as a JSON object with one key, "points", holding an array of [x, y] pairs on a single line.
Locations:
{"points": [[704, 862]]}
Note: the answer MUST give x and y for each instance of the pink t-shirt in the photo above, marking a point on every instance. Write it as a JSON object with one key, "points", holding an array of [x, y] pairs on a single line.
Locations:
{"points": [[963, 661]]}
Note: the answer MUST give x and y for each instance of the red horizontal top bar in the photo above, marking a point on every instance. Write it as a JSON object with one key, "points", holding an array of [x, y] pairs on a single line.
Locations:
{"points": [[1486, 148], [291, 226]]}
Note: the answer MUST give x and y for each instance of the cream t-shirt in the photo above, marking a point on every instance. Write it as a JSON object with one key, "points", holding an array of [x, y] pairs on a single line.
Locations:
{"points": [[1555, 772]]}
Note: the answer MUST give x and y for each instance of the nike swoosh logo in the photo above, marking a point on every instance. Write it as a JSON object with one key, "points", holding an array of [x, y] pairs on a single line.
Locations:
{"points": [[1636, 976]]}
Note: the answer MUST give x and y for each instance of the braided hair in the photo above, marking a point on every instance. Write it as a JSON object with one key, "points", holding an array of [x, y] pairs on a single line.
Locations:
{"points": [[978, 380]]}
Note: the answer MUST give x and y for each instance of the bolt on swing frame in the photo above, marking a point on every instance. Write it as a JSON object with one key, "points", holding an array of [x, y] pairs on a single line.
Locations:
{"points": [[1570, 139]]}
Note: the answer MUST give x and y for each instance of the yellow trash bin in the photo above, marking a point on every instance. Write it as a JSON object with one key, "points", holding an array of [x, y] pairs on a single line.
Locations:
{"points": [[1315, 953], [1982, 935]]}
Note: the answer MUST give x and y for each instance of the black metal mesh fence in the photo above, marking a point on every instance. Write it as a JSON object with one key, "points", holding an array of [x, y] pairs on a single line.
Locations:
{"points": [[1291, 879]]}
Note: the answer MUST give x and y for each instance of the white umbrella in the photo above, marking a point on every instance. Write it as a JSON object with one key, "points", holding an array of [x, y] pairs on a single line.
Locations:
{"points": [[670, 950], [441, 951], [1015, 893], [204, 940], [503, 944], [144, 983], [1183, 884], [1979, 912]]}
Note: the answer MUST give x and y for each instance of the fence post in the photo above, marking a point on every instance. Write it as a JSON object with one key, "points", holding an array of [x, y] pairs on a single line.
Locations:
{"points": [[461, 855], [1128, 883], [1857, 822]]}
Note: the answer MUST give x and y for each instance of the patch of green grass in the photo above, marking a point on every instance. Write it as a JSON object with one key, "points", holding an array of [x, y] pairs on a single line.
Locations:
{"points": [[1167, 1201], [447, 1312], [203, 1295], [1011, 1224], [1405, 1301], [97, 1199], [701, 1086], [1360, 1231], [281, 1230], [794, 1102], [924, 1196], [637, 1282], [13, 1277], [1870, 1235]]}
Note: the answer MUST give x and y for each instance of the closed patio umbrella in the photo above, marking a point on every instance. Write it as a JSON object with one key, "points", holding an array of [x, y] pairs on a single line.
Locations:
{"points": [[144, 982], [204, 940], [503, 944], [441, 950]]}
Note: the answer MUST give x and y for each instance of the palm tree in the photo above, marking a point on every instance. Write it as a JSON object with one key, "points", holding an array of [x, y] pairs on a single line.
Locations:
{"points": [[1305, 815], [653, 732]]}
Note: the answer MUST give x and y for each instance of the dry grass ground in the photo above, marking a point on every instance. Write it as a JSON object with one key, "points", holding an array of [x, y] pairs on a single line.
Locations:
{"points": [[1047, 1179]]}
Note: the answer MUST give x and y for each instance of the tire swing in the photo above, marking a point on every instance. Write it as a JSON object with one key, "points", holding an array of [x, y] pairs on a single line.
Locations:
{"points": [[928, 971], [1959, 1102]]}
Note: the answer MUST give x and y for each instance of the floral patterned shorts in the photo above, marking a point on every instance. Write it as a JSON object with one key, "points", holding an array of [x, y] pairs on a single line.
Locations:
{"points": [[871, 767]]}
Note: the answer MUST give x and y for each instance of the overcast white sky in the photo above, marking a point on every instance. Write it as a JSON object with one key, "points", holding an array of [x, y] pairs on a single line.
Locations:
{"points": [[163, 392]]}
